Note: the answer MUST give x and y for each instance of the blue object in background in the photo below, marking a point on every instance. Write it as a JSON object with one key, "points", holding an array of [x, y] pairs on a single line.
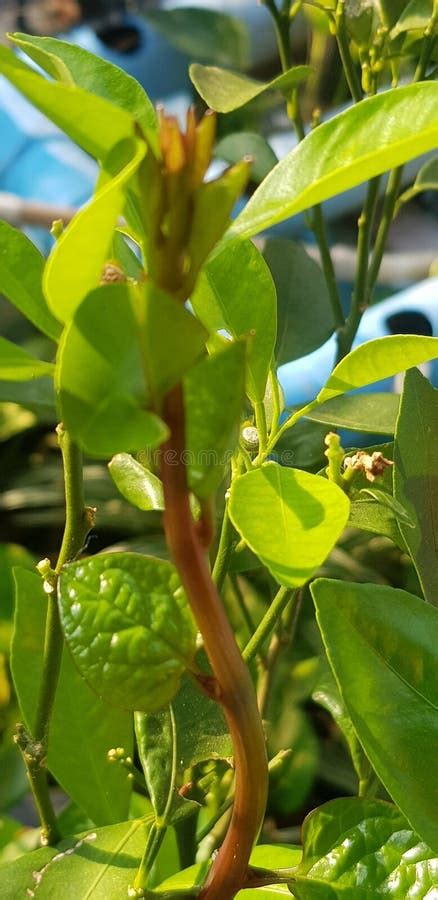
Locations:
{"points": [[412, 311]]}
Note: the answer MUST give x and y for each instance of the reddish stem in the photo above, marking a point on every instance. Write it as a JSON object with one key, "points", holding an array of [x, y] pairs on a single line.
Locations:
{"points": [[234, 686]]}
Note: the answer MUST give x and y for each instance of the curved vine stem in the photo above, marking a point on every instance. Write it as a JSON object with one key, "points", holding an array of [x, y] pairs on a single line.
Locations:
{"points": [[232, 685]]}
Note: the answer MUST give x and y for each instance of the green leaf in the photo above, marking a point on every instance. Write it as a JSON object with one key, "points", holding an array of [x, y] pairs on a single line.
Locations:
{"points": [[381, 643], [416, 14], [303, 516], [100, 376], [236, 293], [376, 360], [11, 555], [225, 91], [73, 65], [376, 135], [172, 339], [123, 253], [88, 239], [90, 121], [305, 317], [265, 856], [18, 365], [389, 502], [203, 34], [426, 180], [191, 730], [234, 147], [390, 10], [213, 395], [374, 413], [138, 486], [415, 476], [21, 272], [357, 849], [38, 396], [97, 865], [82, 728], [128, 627]]}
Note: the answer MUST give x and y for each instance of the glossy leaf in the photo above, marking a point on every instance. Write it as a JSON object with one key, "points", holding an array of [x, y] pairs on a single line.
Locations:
{"points": [[21, 272], [366, 140], [191, 730], [236, 293], [95, 865], [128, 627], [90, 121], [225, 91], [378, 359], [305, 317], [213, 395], [136, 484], [82, 728], [416, 14], [18, 365], [203, 34], [265, 856], [76, 263], [415, 476], [100, 377], [165, 361], [234, 147], [357, 849], [381, 643], [303, 516], [374, 413], [71, 64], [326, 693]]}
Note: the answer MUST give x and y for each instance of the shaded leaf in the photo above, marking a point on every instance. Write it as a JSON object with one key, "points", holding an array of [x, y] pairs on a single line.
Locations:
{"points": [[374, 413], [416, 14], [305, 317], [303, 516], [18, 365], [21, 272], [128, 627], [82, 728], [416, 477], [234, 147], [225, 91], [203, 34], [381, 643]]}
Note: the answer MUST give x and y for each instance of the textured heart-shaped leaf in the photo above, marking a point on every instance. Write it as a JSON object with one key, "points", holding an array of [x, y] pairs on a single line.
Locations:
{"points": [[128, 626], [360, 849]]}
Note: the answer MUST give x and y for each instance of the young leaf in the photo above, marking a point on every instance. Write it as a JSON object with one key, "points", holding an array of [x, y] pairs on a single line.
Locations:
{"points": [[416, 14], [76, 263], [415, 476], [426, 180], [128, 627], [381, 643], [213, 395], [365, 140], [18, 365], [305, 318], [90, 121], [100, 376], [303, 516], [138, 486], [234, 147], [356, 849], [21, 273], [225, 91], [203, 34], [374, 413], [236, 293], [71, 64], [94, 865], [378, 359], [191, 730], [172, 339], [82, 728]]}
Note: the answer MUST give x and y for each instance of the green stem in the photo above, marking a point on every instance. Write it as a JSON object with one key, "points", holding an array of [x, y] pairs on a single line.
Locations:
{"points": [[246, 615], [268, 623], [389, 204], [361, 295], [224, 551], [78, 522], [320, 232], [295, 417], [153, 844], [260, 418], [351, 74]]}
